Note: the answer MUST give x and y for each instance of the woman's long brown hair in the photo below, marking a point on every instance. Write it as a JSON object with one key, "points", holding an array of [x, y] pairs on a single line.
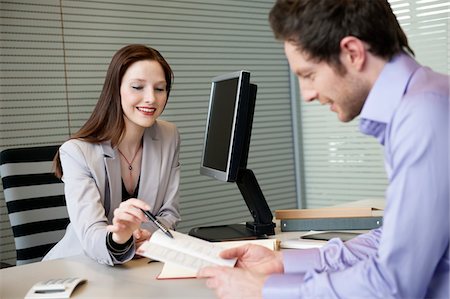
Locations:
{"points": [[106, 122]]}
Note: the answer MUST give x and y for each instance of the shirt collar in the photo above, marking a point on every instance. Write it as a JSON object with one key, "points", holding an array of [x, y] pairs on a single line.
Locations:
{"points": [[389, 88], [386, 94]]}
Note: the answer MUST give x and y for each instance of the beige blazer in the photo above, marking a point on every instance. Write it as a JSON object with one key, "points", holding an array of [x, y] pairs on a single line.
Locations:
{"points": [[93, 190]]}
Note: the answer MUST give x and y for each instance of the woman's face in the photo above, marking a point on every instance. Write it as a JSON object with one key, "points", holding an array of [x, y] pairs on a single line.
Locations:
{"points": [[143, 94]]}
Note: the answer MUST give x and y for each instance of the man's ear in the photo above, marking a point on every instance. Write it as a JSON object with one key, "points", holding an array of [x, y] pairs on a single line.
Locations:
{"points": [[353, 52]]}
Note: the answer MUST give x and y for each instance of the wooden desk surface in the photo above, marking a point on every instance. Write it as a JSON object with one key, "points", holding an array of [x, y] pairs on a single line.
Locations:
{"points": [[135, 279]]}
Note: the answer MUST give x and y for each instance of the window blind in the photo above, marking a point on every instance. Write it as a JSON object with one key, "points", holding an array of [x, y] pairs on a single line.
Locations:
{"points": [[339, 164], [54, 56]]}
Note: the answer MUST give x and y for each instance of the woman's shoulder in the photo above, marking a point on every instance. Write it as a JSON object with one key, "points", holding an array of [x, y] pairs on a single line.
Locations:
{"points": [[75, 142], [79, 145]]}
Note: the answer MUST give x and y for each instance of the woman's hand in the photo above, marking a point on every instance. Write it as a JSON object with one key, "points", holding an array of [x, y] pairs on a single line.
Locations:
{"points": [[127, 219]]}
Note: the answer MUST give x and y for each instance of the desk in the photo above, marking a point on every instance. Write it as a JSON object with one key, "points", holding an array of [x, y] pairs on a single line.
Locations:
{"points": [[135, 279]]}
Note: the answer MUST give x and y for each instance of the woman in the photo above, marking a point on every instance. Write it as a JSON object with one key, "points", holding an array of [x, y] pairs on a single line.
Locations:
{"points": [[121, 161]]}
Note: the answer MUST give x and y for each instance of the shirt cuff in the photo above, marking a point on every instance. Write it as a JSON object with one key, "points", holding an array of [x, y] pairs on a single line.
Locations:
{"points": [[120, 253], [282, 286], [115, 248], [301, 260]]}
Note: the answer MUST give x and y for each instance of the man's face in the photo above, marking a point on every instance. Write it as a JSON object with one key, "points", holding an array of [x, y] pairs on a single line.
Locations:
{"points": [[345, 92]]}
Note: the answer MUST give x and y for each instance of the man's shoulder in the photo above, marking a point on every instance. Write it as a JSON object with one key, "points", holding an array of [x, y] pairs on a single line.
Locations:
{"points": [[427, 91], [424, 108], [427, 80]]}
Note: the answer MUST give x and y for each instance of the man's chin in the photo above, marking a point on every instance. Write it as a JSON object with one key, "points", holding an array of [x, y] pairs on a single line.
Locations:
{"points": [[344, 118]]}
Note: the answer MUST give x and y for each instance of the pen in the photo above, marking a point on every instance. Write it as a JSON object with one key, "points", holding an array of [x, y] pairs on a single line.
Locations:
{"points": [[157, 223]]}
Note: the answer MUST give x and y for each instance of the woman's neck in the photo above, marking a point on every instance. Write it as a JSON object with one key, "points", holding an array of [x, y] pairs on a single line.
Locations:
{"points": [[130, 153], [131, 142]]}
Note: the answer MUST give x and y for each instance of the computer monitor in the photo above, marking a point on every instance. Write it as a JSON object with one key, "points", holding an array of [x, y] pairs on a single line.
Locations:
{"points": [[225, 153]]}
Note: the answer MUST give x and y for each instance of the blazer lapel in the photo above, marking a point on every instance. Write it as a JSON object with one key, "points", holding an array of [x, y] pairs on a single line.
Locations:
{"points": [[150, 167], [113, 182]]}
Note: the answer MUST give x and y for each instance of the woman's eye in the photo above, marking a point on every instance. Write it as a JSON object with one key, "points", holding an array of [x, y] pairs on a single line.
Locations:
{"points": [[137, 87], [160, 89]]}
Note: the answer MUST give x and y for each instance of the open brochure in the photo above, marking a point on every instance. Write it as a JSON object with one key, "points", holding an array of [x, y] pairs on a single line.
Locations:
{"points": [[184, 255], [183, 250]]}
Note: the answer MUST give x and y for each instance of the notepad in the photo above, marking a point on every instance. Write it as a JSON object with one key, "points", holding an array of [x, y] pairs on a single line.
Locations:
{"points": [[184, 255]]}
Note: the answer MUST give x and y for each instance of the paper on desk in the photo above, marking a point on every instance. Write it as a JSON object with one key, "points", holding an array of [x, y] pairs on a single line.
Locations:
{"points": [[298, 243], [174, 271]]}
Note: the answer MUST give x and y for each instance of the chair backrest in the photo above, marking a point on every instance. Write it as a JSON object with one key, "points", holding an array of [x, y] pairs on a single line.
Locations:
{"points": [[34, 199]]}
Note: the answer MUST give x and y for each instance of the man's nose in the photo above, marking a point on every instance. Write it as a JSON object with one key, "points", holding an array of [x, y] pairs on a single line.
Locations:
{"points": [[309, 94]]}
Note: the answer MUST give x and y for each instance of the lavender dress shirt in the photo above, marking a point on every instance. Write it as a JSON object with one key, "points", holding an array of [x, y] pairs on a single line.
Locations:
{"points": [[407, 110]]}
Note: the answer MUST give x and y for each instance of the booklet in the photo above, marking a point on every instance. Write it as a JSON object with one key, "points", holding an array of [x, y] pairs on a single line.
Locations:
{"points": [[184, 255]]}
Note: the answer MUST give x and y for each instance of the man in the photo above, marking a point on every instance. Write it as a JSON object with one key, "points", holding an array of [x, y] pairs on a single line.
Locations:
{"points": [[351, 55]]}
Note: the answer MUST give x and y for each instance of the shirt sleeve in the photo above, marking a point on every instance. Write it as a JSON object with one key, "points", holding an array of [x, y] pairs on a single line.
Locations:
{"points": [[282, 286], [296, 263], [300, 261], [334, 255]]}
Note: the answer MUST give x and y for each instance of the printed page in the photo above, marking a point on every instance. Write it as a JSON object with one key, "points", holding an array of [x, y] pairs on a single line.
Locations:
{"points": [[184, 251], [172, 271]]}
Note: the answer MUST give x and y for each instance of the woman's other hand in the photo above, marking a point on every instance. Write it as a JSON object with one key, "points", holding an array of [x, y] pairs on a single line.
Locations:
{"points": [[127, 219]]}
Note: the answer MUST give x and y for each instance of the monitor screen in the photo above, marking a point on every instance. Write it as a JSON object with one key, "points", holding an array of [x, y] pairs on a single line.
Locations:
{"points": [[226, 126]]}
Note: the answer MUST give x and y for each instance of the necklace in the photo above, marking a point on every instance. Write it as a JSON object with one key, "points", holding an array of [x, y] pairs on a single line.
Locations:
{"points": [[130, 164]]}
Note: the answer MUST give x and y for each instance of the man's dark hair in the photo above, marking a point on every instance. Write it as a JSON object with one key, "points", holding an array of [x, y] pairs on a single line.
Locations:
{"points": [[318, 26]]}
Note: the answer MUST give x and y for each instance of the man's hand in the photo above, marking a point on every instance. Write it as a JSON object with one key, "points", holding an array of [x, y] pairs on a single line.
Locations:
{"points": [[140, 236], [256, 258], [233, 283]]}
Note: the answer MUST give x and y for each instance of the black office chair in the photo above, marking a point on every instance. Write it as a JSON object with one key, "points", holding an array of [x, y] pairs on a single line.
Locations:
{"points": [[34, 199]]}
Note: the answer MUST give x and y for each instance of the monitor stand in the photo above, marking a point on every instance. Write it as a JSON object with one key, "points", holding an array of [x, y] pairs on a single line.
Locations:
{"points": [[260, 228]]}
